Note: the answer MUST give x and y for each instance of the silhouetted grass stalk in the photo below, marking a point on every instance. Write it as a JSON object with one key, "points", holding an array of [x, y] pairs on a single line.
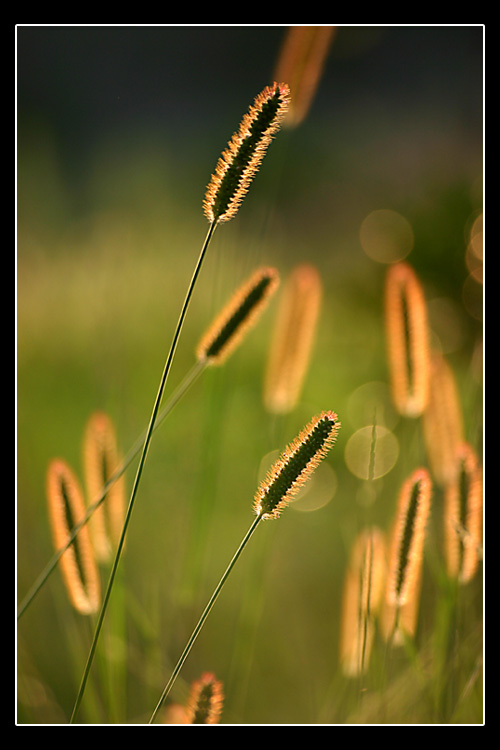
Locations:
{"points": [[201, 621], [234, 172], [283, 481], [140, 468]]}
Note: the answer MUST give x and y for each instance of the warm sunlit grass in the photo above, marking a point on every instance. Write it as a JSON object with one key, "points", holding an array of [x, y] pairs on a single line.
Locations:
{"points": [[98, 296]]}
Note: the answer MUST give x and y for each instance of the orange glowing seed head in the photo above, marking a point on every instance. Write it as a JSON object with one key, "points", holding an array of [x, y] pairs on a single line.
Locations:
{"points": [[296, 464], [242, 158], [77, 563]]}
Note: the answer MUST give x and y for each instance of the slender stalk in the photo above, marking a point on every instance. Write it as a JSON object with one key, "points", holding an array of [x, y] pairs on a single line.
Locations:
{"points": [[140, 468], [186, 383], [203, 618], [287, 475]]}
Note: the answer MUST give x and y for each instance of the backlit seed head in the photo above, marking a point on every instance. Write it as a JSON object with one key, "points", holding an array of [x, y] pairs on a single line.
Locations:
{"points": [[205, 700], [101, 459], [301, 61], [407, 339], [406, 552], [238, 316], [295, 465], [242, 158], [78, 565], [442, 421], [293, 339], [463, 515], [363, 588]]}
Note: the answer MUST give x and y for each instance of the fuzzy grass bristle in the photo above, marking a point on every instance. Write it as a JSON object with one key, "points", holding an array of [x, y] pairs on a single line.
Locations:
{"points": [[399, 616], [295, 465], [101, 458], [238, 316], [408, 536], [362, 594], [205, 700], [301, 62], [407, 339], [442, 421], [242, 158], [293, 339], [463, 516], [78, 564]]}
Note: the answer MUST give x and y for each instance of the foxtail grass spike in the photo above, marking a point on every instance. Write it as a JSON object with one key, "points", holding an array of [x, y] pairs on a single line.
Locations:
{"points": [[287, 476], [301, 62], [205, 701], [237, 317], [407, 543], [78, 565], [362, 595], [293, 339], [407, 340], [242, 158], [442, 421], [295, 465], [101, 460], [463, 516], [398, 619]]}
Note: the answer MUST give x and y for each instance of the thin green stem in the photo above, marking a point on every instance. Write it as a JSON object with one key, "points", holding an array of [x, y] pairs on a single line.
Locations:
{"points": [[140, 468], [183, 387], [203, 618]]}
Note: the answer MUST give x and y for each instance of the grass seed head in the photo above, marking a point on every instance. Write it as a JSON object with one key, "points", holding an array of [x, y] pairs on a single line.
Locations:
{"points": [[293, 339], [205, 701], [443, 424], [362, 595], [407, 339], [408, 536], [463, 516], [242, 158], [301, 62], [78, 564], [295, 465], [101, 458], [238, 316]]}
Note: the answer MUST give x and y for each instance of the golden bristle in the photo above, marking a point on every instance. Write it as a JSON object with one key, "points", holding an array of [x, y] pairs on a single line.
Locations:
{"points": [[407, 544], [101, 459], [362, 595], [78, 565], [295, 465], [242, 158], [293, 339], [442, 421], [407, 339], [301, 61], [205, 701], [238, 316], [463, 516], [406, 555]]}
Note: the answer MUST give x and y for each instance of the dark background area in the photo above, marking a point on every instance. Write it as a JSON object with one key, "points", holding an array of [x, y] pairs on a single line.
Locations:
{"points": [[84, 83]]}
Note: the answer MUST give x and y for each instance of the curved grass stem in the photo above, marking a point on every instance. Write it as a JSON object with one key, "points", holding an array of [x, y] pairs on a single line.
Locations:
{"points": [[203, 618], [140, 468]]}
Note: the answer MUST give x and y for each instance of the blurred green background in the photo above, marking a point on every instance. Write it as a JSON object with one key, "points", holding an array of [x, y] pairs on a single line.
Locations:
{"points": [[118, 131]]}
